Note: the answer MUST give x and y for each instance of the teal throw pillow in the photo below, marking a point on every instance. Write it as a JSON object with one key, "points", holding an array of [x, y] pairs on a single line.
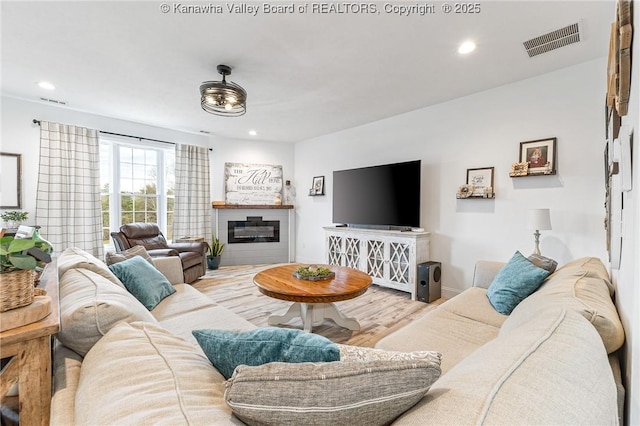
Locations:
{"points": [[515, 281], [227, 349], [143, 280]]}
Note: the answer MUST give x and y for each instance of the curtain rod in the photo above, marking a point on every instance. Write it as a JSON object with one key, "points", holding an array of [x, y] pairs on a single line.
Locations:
{"points": [[35, 121], [120, 134]]}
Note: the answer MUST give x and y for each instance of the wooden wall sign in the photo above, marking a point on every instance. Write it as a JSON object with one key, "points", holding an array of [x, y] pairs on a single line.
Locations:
{"points": [[619, 63], [253, 184], [618, 148]]}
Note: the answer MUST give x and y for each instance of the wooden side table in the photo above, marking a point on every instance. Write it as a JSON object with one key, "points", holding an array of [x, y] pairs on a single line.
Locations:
{"points": [[30, 365]]}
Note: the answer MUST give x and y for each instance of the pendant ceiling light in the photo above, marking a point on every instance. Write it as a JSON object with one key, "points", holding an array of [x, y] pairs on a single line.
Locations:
{"points": [[222, 97]]}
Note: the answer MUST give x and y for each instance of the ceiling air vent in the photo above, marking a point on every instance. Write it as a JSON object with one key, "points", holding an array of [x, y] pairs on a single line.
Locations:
{"points": [[53, 101], [553, 40]]}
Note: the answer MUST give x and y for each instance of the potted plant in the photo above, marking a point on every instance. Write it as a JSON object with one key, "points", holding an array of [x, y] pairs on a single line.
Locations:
{"points": [[13, 218], [19, 258], [215, 250]]}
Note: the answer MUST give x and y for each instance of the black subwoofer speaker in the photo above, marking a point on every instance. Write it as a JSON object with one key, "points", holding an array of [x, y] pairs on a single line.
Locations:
{"points": [[429, 281]]}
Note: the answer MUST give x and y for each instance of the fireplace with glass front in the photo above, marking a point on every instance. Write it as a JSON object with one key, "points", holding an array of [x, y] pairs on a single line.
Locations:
{"points": [[255, 235], [253, 230]]}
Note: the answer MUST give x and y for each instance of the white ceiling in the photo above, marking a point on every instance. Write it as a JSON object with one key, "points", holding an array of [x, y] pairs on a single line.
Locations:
{"points": [[306, 74]]}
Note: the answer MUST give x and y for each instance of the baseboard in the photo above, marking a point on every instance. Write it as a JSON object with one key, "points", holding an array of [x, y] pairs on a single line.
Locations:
{"points": [[449, 292], [309, 261]]}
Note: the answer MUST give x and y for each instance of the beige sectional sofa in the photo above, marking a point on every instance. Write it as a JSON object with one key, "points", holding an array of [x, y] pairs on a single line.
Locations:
{"points": [[551, 361], [151, 353], [546, 363]]}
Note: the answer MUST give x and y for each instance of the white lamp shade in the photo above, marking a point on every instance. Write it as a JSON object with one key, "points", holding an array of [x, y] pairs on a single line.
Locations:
{"points": [[538, 219]]}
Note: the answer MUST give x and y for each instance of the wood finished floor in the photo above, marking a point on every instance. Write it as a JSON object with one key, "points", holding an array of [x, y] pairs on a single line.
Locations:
{"points": [[380, 310]]}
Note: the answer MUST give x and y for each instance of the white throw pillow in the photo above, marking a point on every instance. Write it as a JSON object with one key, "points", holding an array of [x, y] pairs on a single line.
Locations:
{"points": [[142, 374]]}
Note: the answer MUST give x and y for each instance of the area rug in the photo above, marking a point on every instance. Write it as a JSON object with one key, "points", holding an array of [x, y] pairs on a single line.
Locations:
{"points": [[380, 310]]}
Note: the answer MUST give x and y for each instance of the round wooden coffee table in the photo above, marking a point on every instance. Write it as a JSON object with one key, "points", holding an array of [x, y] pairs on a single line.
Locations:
{"points": [[313, 300]]}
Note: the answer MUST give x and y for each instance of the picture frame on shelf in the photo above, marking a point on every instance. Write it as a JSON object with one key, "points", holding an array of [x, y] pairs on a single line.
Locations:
{"points": [[481, 179], [519, 169], [317, 187], [540, 155]]}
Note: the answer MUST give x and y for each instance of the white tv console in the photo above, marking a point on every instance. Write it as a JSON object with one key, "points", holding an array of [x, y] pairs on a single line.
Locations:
{"points": [[391, 258]]}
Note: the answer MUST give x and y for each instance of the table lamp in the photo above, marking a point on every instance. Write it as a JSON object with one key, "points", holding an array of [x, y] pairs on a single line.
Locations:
{"points": [[538, 219]]}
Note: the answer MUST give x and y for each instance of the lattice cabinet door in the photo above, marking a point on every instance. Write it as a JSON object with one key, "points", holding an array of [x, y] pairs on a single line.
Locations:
{"points": [[400, 262], [375, 258], [352, 252], [334, 254]]}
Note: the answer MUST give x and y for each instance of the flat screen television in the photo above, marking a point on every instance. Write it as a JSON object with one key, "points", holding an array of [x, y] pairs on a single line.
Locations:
{"points": [[380, 197]]}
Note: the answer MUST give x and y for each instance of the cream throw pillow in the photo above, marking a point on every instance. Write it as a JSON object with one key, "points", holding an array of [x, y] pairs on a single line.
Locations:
{"points": [[74, 257], [112, 257], [142, 374]]}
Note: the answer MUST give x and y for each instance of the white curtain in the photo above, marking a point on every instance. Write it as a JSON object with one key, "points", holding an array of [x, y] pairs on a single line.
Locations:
{"points": [[192, 213], [68, 204]]}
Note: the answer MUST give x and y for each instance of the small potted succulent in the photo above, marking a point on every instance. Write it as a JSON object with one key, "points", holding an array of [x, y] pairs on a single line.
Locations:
{"points": [[13, 218], [215, 251]]}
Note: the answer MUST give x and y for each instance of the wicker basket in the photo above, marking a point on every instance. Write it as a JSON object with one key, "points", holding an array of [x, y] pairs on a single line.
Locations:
{"points": [[16, 289]]}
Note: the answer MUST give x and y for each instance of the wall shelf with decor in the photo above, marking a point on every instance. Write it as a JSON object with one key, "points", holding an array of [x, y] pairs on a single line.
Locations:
{"points": [[532, 174], [476, 197], [222, 205], [317, 187], [479, 185], [537, 158]]}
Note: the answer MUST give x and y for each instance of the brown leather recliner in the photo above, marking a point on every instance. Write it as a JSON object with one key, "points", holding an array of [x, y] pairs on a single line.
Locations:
{"points": [[193, 255]]}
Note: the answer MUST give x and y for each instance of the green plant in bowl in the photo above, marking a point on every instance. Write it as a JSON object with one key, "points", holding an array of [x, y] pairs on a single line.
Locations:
{"points": [[313, 273]]}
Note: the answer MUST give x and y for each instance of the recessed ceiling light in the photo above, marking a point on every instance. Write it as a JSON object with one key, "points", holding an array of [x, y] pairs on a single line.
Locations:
{"points": [[466, 47], [46, 85], [253, 132]]}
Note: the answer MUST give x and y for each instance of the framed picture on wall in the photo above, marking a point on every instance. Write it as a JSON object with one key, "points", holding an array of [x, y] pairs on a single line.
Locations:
{"points": [[540, 155], [10, 184]]}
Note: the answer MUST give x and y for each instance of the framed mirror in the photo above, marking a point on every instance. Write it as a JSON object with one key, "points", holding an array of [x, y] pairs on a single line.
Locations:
{"points": [[10, 184]]}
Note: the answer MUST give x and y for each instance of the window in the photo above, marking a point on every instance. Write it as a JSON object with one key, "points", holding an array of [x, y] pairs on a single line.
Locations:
{"points": [[137, 185]]}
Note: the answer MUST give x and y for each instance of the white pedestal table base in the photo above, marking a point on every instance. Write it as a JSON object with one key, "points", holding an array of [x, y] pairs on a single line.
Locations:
{"points": [[313, 314]]}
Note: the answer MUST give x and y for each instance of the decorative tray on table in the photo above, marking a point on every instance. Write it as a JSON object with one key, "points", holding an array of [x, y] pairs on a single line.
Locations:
{"points": [[313, 273]]}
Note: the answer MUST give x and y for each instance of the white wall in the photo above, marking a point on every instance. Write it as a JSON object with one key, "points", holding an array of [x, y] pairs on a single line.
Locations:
{"points": [[627, 279], [20, 135], [481, 130]]}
